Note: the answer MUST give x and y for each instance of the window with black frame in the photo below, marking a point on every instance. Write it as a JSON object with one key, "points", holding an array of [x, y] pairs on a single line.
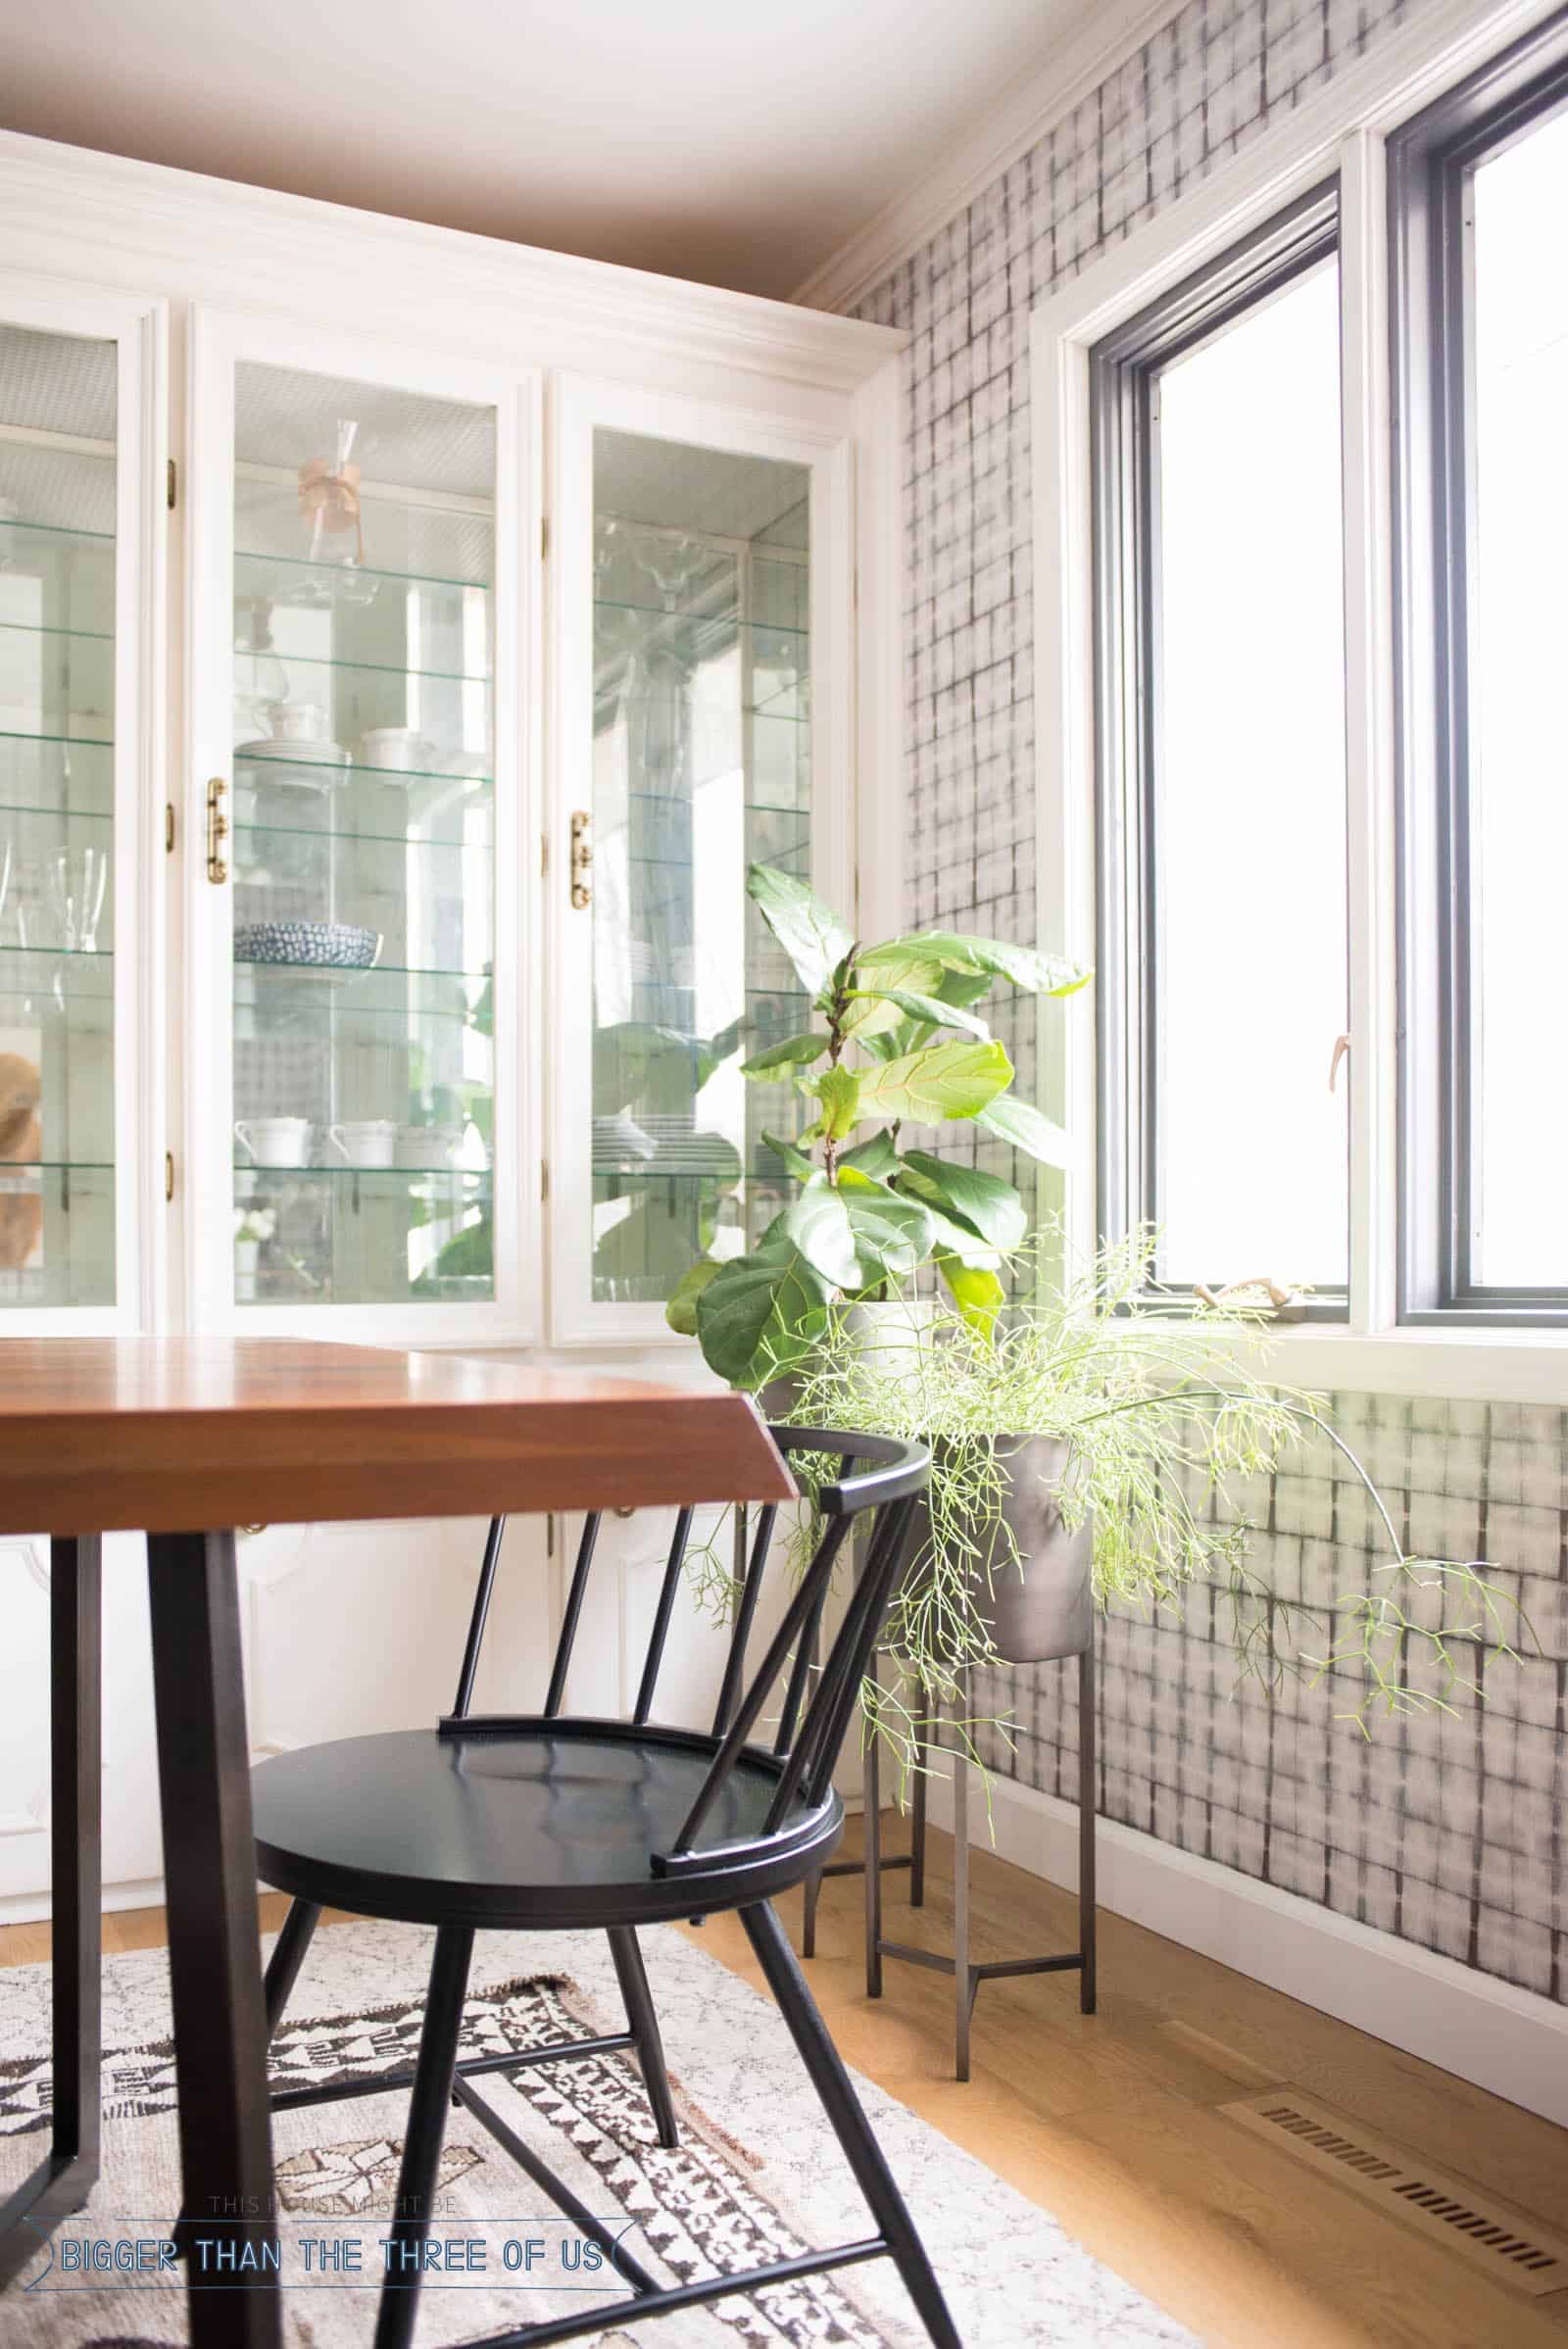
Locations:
{"points": [[1479, 226], [1221, 771]]}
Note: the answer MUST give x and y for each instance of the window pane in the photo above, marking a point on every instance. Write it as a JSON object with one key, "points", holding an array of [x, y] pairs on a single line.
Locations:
{"points": [[1249, 883], [1519, 836]]}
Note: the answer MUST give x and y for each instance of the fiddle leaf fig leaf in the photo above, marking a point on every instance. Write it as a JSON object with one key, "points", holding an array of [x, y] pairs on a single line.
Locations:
{"points": [[978, 1295], [929, 1009], [962, 986], [892, 1234], [809, 932], [940, 1081], [990, 1206], [952, 1239], [818, 1223], [839, 1092], [1027, 1128], [779, 1057], [793, 1156], [760, 1313], [874, 1009], [681, 1310], [858, 1232], [1022, 966], [894, 1042], [875, 1156]]}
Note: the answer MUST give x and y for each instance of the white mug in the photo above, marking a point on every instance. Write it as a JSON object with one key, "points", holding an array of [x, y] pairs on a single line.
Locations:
{"points": [[401, 747], [296, 721], [365, 1140], [427, 1146], [274, 1141]]}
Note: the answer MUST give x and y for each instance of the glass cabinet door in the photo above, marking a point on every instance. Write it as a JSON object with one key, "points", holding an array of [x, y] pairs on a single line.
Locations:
{"points": [[363, 844], [701, 765], [59, 621]]}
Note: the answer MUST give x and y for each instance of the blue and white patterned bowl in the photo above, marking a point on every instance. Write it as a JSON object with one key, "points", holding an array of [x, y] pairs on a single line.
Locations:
{"points": [[330, 944]]}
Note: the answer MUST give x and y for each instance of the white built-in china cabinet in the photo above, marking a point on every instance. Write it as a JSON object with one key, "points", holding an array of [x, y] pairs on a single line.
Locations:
{"points": [[406, 642]]}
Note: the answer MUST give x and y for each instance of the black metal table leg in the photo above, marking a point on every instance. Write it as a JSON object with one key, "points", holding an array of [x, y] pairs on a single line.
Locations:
{"points": [[214, 1940], [64, 2180]]}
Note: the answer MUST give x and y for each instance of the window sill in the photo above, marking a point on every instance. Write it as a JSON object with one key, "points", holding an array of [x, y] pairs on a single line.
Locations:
{"points": [[1471, 1365]]}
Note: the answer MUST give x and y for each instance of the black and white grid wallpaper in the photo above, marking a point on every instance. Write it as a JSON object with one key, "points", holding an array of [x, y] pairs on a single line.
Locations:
{"points": [[1445, 1830]]}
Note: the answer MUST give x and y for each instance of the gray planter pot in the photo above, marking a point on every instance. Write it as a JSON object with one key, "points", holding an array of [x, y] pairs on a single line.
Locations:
{"points": [[1040, 1604]]}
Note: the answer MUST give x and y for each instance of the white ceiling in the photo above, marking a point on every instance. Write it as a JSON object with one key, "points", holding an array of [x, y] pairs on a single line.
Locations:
{"points": [[736, 141]]}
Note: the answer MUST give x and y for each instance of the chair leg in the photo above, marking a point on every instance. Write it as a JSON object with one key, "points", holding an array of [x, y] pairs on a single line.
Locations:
{"points": [[864, 2155], [643, 2022], [433, 2074], [1088, 1804], [288, 1955]]}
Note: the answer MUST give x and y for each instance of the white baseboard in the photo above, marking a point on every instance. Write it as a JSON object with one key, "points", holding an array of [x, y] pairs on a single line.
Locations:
{"points": [[31, 1908], [1508, 2040]]}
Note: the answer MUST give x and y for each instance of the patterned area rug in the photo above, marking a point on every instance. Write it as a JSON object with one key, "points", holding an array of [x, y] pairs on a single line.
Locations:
{"points": [[757, 2175]]}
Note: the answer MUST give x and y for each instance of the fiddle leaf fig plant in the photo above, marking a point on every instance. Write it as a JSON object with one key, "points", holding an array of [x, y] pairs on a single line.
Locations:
{"points": [[895, 1039]]}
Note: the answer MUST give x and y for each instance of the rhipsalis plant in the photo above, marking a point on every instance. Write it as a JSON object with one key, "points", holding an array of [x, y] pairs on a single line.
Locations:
{"points": [[896, 1039]]}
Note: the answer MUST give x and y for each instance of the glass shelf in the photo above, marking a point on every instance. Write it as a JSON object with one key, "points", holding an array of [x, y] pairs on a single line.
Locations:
{"points": [[15, 534], [65, 742], [292, 566], [395, 840], [480, 1177], [96, 636], [55, 816], [374, 669], [703, 619]]}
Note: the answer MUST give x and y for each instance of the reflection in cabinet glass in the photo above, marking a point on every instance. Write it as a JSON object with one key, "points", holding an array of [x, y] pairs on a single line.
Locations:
{"points": [[58, 415], [362, 842], [702, 764]]}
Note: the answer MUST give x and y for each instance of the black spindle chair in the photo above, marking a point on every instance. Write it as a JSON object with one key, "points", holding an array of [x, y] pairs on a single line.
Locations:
{"points": [[554, 1821]]}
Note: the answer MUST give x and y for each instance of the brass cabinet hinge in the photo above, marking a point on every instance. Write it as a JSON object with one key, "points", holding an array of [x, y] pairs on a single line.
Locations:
{"points": [[582, 857], [174, 483], [168, 827], [544, 538], [544, 1178], [169, 1174], [216, 832]]}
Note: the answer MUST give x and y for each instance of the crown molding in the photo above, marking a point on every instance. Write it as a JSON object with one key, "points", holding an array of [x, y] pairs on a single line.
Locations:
{"points": [[1102, 37], [261, 246]]}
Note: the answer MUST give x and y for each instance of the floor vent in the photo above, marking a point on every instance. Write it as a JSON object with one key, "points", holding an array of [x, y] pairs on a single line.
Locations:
{"points": [[1491, 2234]]}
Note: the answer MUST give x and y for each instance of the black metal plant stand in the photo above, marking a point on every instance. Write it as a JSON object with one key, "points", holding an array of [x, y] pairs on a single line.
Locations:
{"points": [[967, 1975]]}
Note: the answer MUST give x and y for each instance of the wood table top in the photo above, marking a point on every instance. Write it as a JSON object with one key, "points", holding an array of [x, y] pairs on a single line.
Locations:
{"points": [[169, 1435]]}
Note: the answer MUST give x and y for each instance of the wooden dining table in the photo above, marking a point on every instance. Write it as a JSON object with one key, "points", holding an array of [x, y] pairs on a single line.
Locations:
{"points": [[185, 1440]]}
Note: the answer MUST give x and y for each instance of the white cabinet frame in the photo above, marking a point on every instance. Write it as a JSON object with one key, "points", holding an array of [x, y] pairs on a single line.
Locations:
{"points": [[219, 341], [139, 328], [582, 405]]}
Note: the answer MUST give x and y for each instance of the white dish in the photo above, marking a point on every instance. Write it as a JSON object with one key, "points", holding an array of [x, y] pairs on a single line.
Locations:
{"points": [[292, 753]]}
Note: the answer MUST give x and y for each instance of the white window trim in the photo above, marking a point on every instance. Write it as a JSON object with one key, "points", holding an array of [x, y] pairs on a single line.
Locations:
{"points": [[1341, 129]]}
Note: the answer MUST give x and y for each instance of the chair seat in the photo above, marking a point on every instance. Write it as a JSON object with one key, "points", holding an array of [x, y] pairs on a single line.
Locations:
{"points": [[551, 1823]]}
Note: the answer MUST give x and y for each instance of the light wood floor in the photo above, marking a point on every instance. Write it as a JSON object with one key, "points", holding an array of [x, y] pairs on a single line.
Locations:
{"points": [[1110, 2121]]}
